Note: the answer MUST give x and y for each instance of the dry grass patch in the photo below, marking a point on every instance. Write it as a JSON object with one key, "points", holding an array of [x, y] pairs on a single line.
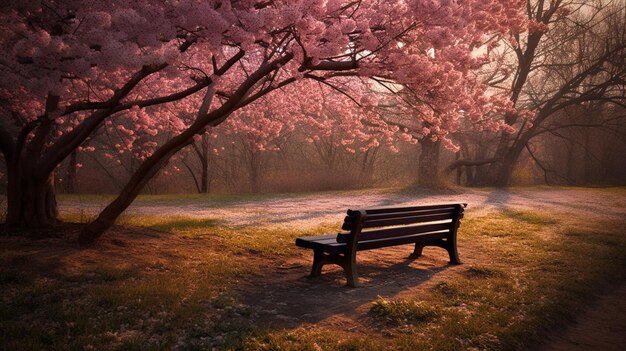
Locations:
{"points": [[402, 312]]}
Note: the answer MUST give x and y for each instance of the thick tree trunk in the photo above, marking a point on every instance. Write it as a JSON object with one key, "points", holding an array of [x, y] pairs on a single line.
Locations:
{"points": [[507, 165], [429, 163], [495, 174], [31, 202]]}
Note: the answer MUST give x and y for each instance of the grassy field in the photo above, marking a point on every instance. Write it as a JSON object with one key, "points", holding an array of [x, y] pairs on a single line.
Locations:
{"points": [[174, 282]]}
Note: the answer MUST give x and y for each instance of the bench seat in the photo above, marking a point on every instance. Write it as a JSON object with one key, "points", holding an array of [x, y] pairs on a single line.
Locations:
{"points": [[329, 244]]}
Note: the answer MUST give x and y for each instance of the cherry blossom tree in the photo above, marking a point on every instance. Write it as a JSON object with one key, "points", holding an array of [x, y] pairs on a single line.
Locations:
{"points": [[70, 68]]}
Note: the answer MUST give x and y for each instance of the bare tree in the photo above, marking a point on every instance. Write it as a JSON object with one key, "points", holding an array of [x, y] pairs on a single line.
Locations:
{"points": [[573, 54]]}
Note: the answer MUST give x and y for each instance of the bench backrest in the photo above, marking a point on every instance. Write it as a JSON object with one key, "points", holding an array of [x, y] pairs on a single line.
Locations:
{"points": [[402, 221]]}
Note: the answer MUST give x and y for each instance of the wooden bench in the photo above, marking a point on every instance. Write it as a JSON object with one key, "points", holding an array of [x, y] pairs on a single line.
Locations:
{"points": [[431, 225]]}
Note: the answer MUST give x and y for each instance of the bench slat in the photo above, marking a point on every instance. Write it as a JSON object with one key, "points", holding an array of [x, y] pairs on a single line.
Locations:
{"points": [[405, 209], [329, 244], [406, 220], [325, 243], [319, 237], [390, 221], [394, 232], [401, 240], [377, 216], [323, 239]]}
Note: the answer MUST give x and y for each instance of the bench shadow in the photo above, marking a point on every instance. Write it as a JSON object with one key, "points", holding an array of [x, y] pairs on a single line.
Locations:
{"points": [[287, 298]]}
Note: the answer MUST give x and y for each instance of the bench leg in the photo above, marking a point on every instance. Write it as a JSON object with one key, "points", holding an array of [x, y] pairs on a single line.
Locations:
{"points": [[454, 254], [351, 274], [417, 252], [318, 263], [450, 246], [346, 262]]}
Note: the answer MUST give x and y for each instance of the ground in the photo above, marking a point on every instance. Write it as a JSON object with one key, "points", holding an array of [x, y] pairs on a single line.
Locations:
{"points": [[602, 326], [202, 272]]}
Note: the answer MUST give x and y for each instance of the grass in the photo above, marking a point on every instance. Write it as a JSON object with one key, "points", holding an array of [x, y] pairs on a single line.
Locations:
{"points": [[544, 272], [179, 225], [536, 271], [139, 306], [236, 239], [402, 312]]}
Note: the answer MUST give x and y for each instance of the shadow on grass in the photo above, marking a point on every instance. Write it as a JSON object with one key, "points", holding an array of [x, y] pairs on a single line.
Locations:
{"points": [[499, 197], [182, 224], [289, 299], [530, 217]]}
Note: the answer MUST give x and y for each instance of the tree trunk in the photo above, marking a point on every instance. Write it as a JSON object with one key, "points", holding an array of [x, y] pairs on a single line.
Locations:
{"points": [[69, 183], [204, 161], [588, 170], [138, 181], [31, 202], [429, 163], [254, 171], [571, 163], [366, 171], [506, 167], [204, 181], [31, 198], [459, 171], [146, 171]]}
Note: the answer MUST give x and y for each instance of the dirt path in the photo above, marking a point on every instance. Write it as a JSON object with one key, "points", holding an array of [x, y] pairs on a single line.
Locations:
{"points": [[602, 326], [291, 211]]}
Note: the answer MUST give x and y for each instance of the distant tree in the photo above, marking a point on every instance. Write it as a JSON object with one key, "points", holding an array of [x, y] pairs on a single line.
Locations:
{"points": [[200, 151], [572, 54]]}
